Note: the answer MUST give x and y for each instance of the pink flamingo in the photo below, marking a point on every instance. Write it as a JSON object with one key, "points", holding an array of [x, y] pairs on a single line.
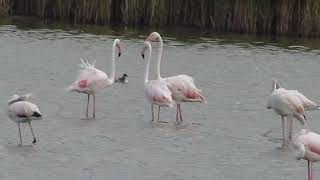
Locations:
{"points": [[156, 91], [286, 103], [307, 146], [90, 79], [22, 111], [182, 86]]}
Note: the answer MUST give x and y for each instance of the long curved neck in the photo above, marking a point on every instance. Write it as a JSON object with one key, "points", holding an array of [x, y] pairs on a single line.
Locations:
{"points": [[159, 58], [113, 66], [146, 73]]}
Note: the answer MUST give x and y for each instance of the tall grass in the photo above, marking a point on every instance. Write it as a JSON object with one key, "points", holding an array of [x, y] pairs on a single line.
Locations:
{"points": [[292, 17]]}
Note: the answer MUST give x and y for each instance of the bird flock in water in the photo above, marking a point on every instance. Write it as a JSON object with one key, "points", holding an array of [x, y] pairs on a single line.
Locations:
{"points": [[170, 91]]}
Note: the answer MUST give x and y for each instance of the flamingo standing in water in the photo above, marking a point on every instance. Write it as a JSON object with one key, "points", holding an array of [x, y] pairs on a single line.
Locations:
{"points": [[156, 91], [90, 79], [286, 103], [182, 86], [22, 111], [307, 146]]}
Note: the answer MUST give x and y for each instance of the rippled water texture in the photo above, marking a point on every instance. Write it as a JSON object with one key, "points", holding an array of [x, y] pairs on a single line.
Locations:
{"points": [[232, 137]]}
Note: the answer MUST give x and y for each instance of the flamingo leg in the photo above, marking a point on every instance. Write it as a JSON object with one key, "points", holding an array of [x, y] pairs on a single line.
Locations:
{"points": [[309, 170], [34, 139], [180, 114], [158, 119], [290, 128], [19, 133], [283, 133], [87, 112], [152, 115], [94, 106], [177, 114]]}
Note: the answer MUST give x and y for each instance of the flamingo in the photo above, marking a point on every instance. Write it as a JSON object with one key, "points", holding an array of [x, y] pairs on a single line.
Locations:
{"points": [[182, 86], [286, 103], [22, 111], [307, 146], [90, 79], [156, 91]]}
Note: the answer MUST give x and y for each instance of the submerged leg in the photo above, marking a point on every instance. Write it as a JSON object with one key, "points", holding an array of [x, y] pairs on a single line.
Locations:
{"points": [[19, 133], [34, 139]]}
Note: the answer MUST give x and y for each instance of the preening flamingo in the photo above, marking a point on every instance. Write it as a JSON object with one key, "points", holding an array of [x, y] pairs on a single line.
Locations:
{"points": [[156, 91], [22, 111], [286, 103], [307, 146], [182, 86], [90, 79]]}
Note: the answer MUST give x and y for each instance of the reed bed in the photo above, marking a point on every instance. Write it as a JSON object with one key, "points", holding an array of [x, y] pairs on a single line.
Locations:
{"points": [[290, 17]]}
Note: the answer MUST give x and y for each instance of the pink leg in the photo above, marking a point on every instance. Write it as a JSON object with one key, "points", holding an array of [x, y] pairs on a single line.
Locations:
{"points": [[290, 129], [94, 106], [309, 171]]}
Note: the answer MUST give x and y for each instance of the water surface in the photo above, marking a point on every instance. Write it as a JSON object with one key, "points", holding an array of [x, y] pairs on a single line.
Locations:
{"points": [[232, 137]]}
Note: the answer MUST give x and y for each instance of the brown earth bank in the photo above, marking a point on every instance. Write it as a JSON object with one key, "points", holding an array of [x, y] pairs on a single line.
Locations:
{"points": [[274, 17]]}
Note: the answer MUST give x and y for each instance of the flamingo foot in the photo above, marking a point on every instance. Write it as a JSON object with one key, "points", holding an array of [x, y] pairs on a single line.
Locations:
{"points": [[34, 141]]}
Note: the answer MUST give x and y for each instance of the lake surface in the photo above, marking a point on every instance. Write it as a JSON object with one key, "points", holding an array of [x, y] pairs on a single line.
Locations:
{"points": [[232, 137]]}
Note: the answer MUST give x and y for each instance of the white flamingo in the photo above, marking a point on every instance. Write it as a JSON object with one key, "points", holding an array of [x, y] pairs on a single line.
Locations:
{"points": [[90, 79], [22, 111], [156, 91], [286, 103], [182, 86], [307, 146]]}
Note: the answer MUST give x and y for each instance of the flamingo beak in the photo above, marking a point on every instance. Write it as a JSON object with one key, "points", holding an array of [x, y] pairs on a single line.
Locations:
{"points": [[142, 55]]}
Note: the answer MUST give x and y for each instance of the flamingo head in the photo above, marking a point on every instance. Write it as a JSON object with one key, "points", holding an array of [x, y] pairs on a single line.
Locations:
{"points": [[119, 47], [146, 46], [154, 37]]}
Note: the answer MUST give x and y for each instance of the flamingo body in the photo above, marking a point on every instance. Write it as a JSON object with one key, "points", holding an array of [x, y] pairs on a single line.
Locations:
{"points": [[307, 146], [91, 80], [22, 111]]}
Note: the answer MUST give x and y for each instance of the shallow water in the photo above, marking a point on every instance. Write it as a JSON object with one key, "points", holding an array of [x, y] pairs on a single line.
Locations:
{"points": [[232, 137]]}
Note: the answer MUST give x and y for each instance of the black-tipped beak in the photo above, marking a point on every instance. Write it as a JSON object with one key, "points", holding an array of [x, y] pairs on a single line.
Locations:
{"points": [[304, 117], [34, 141], [142, 56], [119, 54]]}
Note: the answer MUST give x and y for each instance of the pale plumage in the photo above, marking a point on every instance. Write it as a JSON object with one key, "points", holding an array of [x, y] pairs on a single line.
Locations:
{"points": [[156, 91], [90, 79], [182, 86], [22, 111], [307, 146], [285, 103]]}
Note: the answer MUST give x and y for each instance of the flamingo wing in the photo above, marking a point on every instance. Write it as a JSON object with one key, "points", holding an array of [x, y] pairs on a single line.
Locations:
{"points": [[89, 78], [184, 89], [307, 103], [23, 109], [157, 92]]}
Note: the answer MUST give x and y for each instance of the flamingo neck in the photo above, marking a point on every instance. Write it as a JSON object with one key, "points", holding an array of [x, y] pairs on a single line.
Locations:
{"points": [[159, 58], [113, 64], [146, 73]]}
